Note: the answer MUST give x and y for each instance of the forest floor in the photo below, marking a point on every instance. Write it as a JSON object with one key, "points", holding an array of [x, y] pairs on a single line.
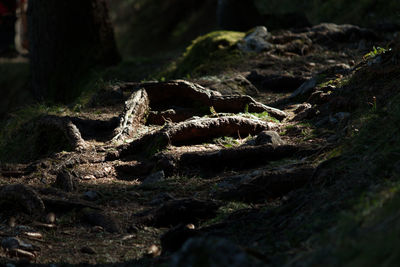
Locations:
{"points": [[184, 171]]}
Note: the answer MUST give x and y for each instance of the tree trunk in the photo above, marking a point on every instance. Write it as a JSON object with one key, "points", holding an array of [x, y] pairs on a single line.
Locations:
{"points": [[67, 38]]}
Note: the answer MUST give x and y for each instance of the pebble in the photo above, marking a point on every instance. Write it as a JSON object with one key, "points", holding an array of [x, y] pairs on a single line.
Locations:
{"points": [[51, 218]]}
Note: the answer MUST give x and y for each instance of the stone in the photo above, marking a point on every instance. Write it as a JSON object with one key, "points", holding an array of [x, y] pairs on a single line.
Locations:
{"points": [[10, 243], [256, 41], [269, 137]]}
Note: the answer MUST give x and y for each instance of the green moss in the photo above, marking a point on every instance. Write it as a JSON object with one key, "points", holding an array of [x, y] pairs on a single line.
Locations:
{"points": [[22, 141], [209, 54]]}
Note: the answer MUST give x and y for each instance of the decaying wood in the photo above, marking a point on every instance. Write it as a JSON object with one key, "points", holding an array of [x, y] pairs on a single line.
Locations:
{"points": [[13, 197], [178, 211], [196, 131], [230, 158], [136, 108], [69, 129], [269, 184]]}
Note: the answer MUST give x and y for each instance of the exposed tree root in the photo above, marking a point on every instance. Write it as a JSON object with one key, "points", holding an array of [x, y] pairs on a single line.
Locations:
{"points": [[136, 108], [195, 131], [133, 170], [18, 196], [182, 93], [69, 129], [171, 115], [66, 205], [231, 158], [269, 184], [240, 103]]}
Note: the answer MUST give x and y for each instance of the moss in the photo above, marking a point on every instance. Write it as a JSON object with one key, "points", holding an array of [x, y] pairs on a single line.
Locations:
{"points": [[22, 141], [209, 54]]}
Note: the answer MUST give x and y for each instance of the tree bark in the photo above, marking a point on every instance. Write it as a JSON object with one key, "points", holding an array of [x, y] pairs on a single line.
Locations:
{"points": [[67, 38]]}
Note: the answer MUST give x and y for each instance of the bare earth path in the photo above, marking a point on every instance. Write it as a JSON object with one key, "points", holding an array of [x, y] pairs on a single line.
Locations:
{"points": [[158, 163]]}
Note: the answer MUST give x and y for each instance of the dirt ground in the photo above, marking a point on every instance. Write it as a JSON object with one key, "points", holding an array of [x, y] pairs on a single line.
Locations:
{"points": [[185, 160]]}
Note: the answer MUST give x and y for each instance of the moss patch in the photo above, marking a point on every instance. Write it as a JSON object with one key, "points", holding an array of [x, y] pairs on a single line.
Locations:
{"points": [[22, 141], [209, 54]]}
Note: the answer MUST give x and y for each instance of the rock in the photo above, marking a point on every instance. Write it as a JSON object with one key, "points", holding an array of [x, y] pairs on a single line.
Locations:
{"points": [[269, 137], [65, 181], [10, 243], [211, 251], [50, 218], [154, 178], [256, 41], [14, 197], [269, 184], [153, 251]]}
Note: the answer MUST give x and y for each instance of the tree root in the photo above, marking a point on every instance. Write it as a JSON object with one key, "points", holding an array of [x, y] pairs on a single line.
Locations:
{"points": [[270, 184], [195, 131], [182, 93], [136, 108], [21, 196], [69, 129], [238, 158]]}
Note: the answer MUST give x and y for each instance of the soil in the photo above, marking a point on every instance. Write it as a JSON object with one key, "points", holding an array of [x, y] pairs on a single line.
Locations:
{"points": [[127, 181]]}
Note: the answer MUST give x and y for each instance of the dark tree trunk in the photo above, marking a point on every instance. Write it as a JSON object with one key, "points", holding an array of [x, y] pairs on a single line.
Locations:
{"points": [[67, 38]]}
